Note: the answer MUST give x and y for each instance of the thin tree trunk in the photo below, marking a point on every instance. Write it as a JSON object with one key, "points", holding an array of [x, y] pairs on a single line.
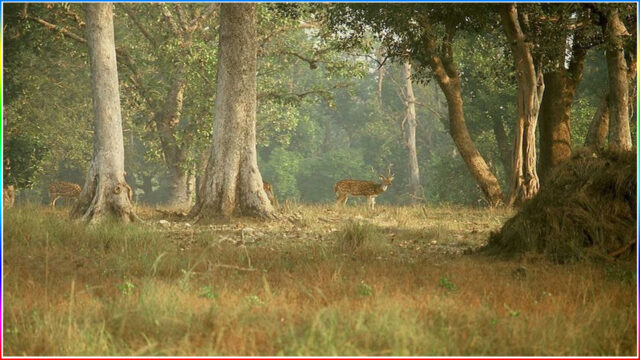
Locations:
{"points": [[524, 177], [147, 187], [503, 144], [448, 79], [380, 73], [599, 127], [619, 129], [105, 192], [232, 182], [416, 193], [174, 155]]}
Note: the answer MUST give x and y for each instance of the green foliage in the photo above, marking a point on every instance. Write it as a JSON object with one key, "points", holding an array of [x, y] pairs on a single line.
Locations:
{"points": [[208, 292], [281, 171], [127, 287], [23, 159], [318, 120], [364, 289], [445, 283]]}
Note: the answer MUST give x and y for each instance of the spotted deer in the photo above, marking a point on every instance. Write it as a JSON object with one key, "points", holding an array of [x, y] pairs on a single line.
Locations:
{"points": [[63, 189], [269, 190], [368, 189], [8, 196]]}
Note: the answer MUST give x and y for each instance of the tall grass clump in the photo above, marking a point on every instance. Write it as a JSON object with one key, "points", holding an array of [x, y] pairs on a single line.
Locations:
{"points": [[356, 235]]}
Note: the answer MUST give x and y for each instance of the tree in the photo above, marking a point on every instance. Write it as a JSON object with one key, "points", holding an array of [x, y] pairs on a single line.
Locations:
{"points": [[105, 190], [565, 33], [416, 193], [417, 30], [180, 32], [619, 131], [232, 182], [524, 177], [599, 126]]}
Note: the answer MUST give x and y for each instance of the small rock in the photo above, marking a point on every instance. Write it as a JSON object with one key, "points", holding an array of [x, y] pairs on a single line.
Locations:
{"points": [[433, 242], [187, 225], [164, 223]]}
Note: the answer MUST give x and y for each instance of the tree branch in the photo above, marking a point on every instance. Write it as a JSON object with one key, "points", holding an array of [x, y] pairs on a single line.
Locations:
{"points": [[136, 21]]}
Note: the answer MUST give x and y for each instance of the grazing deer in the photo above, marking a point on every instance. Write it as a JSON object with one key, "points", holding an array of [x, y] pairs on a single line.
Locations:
{"points": [[8, 196], [269, 190], [369, 189], [63, 189]]}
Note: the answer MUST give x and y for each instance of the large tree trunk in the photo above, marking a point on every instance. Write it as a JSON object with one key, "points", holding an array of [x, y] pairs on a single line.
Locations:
{"points": [[179, 196], [232, 182], [599, 126], [105, 191], [409, 124], [555, 109], [555, 117], [619, 130], [448, 79], [524, 177]]}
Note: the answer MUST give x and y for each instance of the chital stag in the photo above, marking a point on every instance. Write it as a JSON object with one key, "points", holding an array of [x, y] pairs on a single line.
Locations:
{"points": [[63, 189], [368, 189], [269, 190]]}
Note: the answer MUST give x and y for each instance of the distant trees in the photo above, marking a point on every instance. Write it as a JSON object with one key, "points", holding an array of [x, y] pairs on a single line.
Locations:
{"points": [[323, 107], [427, 34], [105, 192]]}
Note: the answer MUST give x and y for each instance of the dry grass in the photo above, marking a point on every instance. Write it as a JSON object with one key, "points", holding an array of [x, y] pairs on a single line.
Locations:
{"points": [[289, 288]]}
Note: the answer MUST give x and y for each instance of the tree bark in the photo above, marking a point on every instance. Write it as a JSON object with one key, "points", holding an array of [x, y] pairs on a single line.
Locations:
{"points": [[380, 73], [599, 126], [503, 144], [232, 183], [147, 187], [409, 124], [449, 81], [555, 127], [524, 177], [105, 192], [619, 129], [174, 154]]}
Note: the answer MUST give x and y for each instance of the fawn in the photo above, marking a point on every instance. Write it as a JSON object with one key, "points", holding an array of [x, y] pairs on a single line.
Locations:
{"points": [[269, 190], [63, 189], [369, 189]]}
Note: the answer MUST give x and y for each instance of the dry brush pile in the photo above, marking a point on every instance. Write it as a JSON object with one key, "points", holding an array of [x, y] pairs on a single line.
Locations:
{"points": [[585, 210]]}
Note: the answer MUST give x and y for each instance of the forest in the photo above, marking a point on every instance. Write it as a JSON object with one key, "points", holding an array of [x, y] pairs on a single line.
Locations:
{"points": [[315, 179]]}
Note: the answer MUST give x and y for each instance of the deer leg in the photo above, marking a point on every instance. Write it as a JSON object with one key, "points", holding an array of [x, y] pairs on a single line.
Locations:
{"points": [[370, 201], [53, 202]]}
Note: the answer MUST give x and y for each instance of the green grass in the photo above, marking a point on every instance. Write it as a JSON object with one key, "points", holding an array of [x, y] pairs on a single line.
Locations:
{"points": [[321, 281]]}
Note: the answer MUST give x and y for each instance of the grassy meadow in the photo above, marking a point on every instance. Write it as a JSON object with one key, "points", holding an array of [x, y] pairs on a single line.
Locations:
{"points": [[319, 281]]}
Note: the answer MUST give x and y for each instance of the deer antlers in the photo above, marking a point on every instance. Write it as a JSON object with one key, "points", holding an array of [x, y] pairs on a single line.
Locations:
{"points": [[389, 174]]}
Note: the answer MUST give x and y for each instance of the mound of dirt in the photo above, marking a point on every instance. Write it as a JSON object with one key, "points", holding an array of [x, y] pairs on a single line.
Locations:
{"points": [[585, 210]]}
